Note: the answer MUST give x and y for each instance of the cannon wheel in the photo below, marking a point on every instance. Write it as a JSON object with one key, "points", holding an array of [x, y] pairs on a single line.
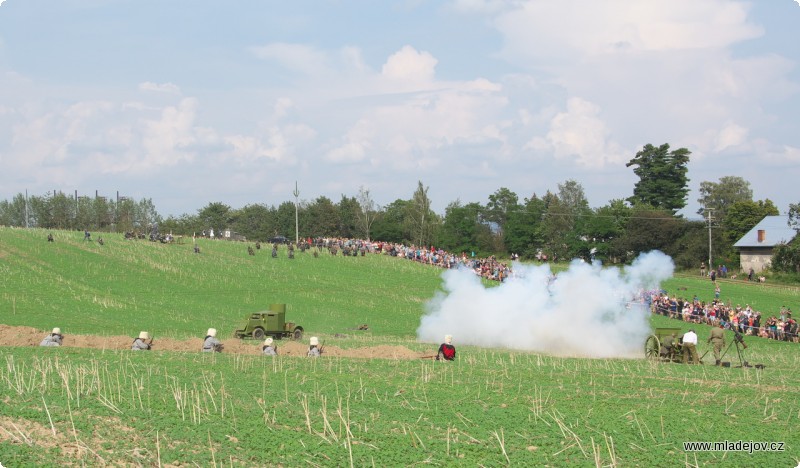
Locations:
{"points": [[297, 335], [652, 347], [258, 333]]}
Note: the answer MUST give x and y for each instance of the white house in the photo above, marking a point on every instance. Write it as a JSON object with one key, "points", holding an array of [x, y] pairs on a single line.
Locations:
{"points": [[755, 247]]}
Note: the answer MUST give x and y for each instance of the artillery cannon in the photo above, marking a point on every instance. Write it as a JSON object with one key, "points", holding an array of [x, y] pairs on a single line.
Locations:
{"points": [[272, 323], [662, 345]]}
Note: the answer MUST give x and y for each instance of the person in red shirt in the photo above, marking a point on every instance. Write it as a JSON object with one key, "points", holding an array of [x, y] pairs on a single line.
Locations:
{"points": [[446, 350]]}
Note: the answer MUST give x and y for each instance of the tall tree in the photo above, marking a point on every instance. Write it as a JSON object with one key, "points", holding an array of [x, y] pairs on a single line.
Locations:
{"points": [[794, 216], [323, 218], [390, 225], [648, 229], [368, 212], [663, 183], [216, 216], [463, 229], [501, 203], [719, 196], [348, 210], [523, 233], [422, 221]]}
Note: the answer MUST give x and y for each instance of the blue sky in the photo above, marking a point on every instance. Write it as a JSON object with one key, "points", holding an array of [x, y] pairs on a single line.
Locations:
{"points": [[192, 102]]}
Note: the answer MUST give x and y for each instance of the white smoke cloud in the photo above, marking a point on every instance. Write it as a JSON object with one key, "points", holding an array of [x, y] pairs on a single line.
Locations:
{"points": [[586, 311]]}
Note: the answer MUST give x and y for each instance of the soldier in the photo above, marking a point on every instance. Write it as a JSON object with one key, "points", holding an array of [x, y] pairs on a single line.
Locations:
{"points": [[690, 347], [143, 343], [446, 350], [50, 238], [717, 338], [274, 250], [313, 347], [196, 249], [258, 245], [269, 349], [53, 339], [250, 250], [668, 347], [211, 343]]}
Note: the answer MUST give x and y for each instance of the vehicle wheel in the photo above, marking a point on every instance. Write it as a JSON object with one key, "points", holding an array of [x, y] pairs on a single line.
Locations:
{"points": [[258, 333], [298, 334], [652, 347]]}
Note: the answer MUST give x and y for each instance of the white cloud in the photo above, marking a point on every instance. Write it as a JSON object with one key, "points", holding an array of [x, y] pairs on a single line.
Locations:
{"points": [[729, 136], [570, 28], [580, 135], [159, 87], [410, 65]]}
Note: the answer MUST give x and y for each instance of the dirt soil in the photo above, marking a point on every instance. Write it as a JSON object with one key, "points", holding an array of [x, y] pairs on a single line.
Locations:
{"points": [[28, 336]]}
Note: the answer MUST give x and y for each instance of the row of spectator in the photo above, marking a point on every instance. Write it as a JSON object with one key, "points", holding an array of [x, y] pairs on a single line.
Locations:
{"points": [[716, 313]]}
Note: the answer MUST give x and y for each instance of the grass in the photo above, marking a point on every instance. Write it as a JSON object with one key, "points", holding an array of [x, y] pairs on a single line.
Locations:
{"points": [[491, 407]]}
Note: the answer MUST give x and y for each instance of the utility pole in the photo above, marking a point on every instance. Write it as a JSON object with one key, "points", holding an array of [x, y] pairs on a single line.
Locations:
{"points": [[709, 210], [296, 194]]}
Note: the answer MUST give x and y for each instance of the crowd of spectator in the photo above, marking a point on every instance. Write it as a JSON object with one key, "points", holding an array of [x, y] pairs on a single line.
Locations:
{"points": [[489, 267], [746, 320]]}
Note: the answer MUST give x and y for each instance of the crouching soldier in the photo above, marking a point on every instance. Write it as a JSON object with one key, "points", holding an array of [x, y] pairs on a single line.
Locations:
{"points": [[446, 350], [269, 349], [211, 344], [53, 339], [314, 349], [143, 343]]}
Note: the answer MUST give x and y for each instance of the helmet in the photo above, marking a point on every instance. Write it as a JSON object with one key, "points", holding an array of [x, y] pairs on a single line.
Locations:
{"points": [[212, 332], [314, 341], [268, 341], [56, 331], [448, 339], [144, 335]]}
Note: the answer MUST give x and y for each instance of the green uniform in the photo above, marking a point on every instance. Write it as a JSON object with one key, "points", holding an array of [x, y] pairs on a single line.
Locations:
{"points": [[717, 338]]}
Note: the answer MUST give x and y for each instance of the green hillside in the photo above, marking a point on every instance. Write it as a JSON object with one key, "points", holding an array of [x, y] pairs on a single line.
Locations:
{"points": [[128, 285], [491, 407]]}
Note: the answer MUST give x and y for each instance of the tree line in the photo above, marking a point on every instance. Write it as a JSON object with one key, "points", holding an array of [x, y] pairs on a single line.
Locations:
{"points": [[559, 224]]}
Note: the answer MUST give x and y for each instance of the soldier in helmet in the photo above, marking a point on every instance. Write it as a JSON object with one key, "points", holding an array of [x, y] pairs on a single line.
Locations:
{"points": [[269, 349], [211, 344], [55, 338], [314, 349], [717, 338], [143, 343]]}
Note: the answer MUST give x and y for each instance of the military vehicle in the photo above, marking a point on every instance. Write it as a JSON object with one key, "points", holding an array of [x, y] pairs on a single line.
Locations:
{"points": [[270, 322]]}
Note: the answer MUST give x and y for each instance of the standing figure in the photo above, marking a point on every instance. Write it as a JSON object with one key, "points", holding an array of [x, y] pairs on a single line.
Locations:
{"points": [[690, 347], [446, 350], [275, 251], [53, 339], [269, 349], [87, 236], [717, 338], [313, 347], [143, 343], [211, 343]]}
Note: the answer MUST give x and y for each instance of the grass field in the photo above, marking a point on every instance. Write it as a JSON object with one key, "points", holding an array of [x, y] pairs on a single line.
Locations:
{"points": [[491, 407]]}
